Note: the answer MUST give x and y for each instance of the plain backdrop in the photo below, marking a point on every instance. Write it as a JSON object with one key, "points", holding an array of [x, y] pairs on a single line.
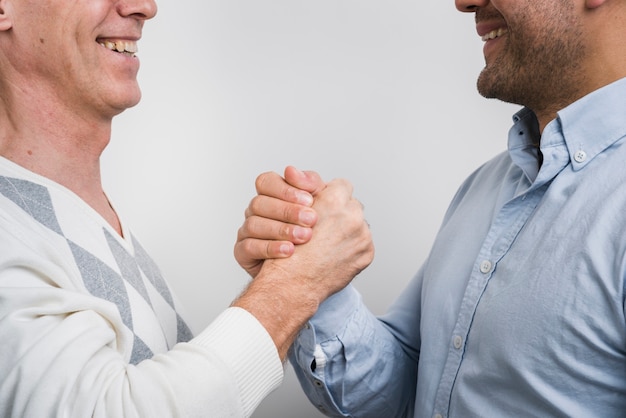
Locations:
{"points": [[379, 92]]}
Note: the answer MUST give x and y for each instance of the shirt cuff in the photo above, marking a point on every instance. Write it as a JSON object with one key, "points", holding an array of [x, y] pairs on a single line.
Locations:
{"points": [[248, 350], [334, 313]]}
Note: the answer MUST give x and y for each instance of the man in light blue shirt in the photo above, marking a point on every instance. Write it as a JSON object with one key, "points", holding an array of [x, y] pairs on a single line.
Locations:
{"points": [[519, 310]]}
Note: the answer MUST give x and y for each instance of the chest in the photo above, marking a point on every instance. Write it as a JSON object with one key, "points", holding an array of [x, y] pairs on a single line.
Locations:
{"points": [[530, 294]]}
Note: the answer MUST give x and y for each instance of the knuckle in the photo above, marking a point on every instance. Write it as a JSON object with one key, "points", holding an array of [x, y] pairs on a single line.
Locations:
{"points": [[288, 193], [244, 247], [345, 182], [256, 204], [289, 213], [267, 250], [345, 185], [261, 180], [243, 250], [249, 227], [356, 223], [284, 231], [241, 232]]}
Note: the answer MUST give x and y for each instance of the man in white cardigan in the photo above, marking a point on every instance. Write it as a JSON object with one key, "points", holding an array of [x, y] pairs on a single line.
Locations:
{"points": [[88, 325]]}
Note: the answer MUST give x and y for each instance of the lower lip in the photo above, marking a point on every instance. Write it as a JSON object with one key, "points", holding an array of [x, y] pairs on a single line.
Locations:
{"points": [[126, 58], [491, 44], [122, 54]]}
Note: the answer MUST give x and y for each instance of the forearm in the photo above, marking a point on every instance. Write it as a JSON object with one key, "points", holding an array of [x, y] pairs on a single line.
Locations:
{"points": [[287, 292], [62, 355], [242, 344], [282, 302], [350, 364]]}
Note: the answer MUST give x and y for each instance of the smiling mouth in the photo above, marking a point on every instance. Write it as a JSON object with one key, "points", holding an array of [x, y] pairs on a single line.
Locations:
{"points": [[121, 46], [496, 33]]}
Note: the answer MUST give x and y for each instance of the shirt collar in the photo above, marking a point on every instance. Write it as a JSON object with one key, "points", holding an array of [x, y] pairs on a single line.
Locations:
{"points": [[581, 130], [523, 140], [594, 123]]}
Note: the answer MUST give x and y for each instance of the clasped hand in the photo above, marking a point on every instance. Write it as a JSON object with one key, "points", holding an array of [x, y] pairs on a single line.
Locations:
{"points": [[314, 231]]}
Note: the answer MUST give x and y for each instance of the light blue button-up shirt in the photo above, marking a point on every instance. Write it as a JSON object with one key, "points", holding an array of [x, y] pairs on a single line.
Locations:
{"points": [[519, 308]]}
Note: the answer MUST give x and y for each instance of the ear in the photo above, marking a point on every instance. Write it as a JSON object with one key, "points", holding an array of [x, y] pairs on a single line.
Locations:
{"points": [[5, 20]]}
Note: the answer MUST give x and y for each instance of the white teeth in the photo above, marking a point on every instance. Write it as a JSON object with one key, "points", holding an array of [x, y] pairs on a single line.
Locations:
{"points": [[494, 34], [129, 47]]}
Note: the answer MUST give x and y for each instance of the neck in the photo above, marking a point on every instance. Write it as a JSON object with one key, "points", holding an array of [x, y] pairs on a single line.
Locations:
{"points": [[63, 148], [605, 58], [547, 114]]}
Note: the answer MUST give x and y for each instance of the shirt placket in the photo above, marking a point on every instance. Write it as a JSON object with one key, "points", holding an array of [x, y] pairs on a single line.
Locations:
{"points": [[506, 226]]}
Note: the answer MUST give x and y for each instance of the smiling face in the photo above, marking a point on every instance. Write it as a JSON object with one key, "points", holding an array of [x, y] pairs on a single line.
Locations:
{"points": [[534, 52], [78, 53]]}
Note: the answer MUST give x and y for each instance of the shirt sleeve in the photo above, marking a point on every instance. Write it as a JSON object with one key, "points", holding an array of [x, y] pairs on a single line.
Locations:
{"points": [[61, 354], [352, 364]]}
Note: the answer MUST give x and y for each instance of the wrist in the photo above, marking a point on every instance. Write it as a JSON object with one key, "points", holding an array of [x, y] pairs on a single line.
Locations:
{"points": [[280, 302]]}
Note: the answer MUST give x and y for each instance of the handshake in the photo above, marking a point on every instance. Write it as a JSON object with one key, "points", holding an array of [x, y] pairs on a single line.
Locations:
{"points": [[302, 241]]}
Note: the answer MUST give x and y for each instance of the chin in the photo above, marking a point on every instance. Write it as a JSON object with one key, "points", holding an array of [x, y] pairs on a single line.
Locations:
{"points": [[491, 86], [127, 100]]}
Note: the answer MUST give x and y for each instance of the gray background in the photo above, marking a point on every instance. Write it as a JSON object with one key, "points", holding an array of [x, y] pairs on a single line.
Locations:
{"points": [[379, 92]]}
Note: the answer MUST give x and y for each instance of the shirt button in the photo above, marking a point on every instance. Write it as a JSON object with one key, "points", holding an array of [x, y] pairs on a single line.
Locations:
{"points": [[580, 156], [317, 383], [485, 266], [457, 341], [438, 416]]}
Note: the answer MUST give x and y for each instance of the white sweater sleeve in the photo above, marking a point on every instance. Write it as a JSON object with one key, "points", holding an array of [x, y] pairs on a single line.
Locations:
{"points": [[61, 354]]}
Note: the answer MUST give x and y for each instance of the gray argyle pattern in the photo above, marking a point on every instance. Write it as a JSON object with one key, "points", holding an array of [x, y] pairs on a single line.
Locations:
{"points": [[101, 279]]}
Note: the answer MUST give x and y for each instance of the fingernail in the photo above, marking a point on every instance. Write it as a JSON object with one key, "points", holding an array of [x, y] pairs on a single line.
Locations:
{"points": [[304, 198], [299, 233], [285, 249], [307, 217]]}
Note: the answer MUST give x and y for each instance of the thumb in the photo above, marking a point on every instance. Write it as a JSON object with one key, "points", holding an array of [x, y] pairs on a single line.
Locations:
{"points": [[309, 181]]}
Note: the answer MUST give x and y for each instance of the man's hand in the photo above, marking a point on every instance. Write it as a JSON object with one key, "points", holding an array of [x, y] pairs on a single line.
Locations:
{"points": [[278, 218], [287, 291], [340, 248]]}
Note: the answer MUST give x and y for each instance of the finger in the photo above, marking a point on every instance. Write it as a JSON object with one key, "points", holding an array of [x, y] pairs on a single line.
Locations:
{"points": [[261, 228], [251, 253], [252, 250], [309, 181], [337, 191], [279, 210], [273, 185]]}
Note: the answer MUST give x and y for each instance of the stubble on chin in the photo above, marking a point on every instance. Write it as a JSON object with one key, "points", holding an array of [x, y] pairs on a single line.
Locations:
{"points": [[539, 69]]}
